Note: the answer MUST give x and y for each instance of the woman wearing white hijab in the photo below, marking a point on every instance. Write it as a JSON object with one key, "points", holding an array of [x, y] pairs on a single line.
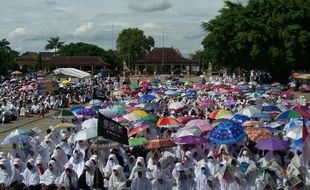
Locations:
{"points": [[77, 161], [60, 155], [183, 177], [139, 163], [69, 178], [189, 161], [112, 161], [161, 182], [5, 174], [141, 182], [48, 144], [31, 177], [117, 180], [51, 176], [201, 175]]}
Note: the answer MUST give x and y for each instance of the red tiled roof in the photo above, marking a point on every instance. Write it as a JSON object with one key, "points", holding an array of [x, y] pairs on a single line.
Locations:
{"points": [[166, 55], [74, 61]]}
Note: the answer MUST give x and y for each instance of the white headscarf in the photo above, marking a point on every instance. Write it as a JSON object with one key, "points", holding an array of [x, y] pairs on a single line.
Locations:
{"points": [[64, 180], [31, 177], [50, 176], [5, 174], [117, 182], [166, 185], [77, 162], [90, 173], [112, 161], [141, 183]]}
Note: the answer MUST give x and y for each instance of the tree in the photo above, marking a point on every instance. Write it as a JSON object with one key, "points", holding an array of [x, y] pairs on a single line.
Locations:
{"points": [[85, 49], [132, 44], [54, 43], [7, 57], [272, 35]]}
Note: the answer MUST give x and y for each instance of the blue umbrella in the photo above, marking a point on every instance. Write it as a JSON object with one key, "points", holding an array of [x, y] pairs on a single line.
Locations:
{"points": [[297, 144], [146, 98], [240, 118], [151, 106], [87, 112], [261, 115], [227, 132], [271, 108], [18, 139]]}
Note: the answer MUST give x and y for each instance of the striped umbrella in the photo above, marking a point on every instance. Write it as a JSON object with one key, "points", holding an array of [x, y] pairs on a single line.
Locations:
{"points": [[287, 115], [168, 122], [220, 113]]}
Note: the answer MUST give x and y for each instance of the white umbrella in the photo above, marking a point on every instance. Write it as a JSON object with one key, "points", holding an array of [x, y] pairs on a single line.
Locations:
{"points": [[250, 111], [294, 133], [132, 117], [275, 124], [108, 113], [188, 131], [85, 134], [176, 105], [90, 123]]}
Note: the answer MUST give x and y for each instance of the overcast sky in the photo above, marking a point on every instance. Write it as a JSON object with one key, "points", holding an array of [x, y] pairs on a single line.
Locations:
{"points": [[28, 24]]}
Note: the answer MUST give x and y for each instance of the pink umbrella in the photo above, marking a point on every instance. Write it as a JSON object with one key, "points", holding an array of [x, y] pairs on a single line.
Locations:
{"points": [[287, 94], [235, 91], [206, 103], [204, 125]]}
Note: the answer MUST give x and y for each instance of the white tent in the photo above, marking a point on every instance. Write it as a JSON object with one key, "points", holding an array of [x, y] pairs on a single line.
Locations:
{"points": [[72, 72]]}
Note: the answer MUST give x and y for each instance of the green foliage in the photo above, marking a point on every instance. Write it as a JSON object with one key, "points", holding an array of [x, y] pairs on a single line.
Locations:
{"points": [[54, 43], [132, 44], [85, 49], [7, 57], [264, 34]]}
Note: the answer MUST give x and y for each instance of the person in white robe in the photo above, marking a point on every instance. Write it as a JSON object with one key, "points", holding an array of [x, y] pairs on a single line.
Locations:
{"points": [[5, 174], [86, 180], [161, 182], [40, 166], [213, 164], [17, 170], [188, 161], [201, 175], [77, 161], [51, 176], [117, 179], [69, 178], [112, 161], [183, 177], [48, 144], [31, 177], [141, 182], [17, 152], [139, 163]]}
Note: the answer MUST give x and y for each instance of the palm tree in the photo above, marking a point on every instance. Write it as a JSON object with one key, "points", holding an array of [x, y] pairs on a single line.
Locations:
{"points": [[54, 44], [4, 45]]}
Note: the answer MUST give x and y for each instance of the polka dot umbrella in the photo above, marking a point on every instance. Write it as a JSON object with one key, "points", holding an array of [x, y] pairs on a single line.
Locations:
{"points": [[227, 132]]}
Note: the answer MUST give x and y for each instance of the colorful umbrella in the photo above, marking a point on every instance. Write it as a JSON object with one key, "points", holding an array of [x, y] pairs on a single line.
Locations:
{"points": [[110, 113], [252, 123], [287, 115], [255, 95], [249, 111], [118, 109], [150, 118], [140, 113], [168, 122], [256, 134], [176, 105], [270, 108], [65, 125], [87, 112], [220, 113], [160, 143], [185, 119], [190, 140], [303, 110], [229, 103], [120, 120], [95, 102], [136, 130], [21, 131], [75, 109], [137, 141], [227, 132], [272, 144], [240, 118], [146, 98], [63, 113], [204, 125], [294, 133], [206, 103]]}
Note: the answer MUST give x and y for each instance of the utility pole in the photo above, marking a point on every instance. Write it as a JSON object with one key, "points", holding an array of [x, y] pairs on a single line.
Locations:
{"points": [[162, 52]]}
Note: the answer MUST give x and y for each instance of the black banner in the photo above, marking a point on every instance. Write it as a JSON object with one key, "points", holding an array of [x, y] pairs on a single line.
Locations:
{"points": [[109, 129]]}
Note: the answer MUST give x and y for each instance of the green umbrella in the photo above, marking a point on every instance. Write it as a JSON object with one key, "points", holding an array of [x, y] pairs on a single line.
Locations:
{"points": [[133, 86], [137, 141], [62, 113], [21, 131], [149, 118]]}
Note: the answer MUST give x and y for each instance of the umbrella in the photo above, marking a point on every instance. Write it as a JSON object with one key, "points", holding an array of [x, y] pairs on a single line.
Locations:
{"points": [[63, 113], [75, 109], [108, 113], [168, 122], [146, 98], [137, 141], [220, 113], [172, 93], [227, 132], [136, 130], [206, 103], [272, 144], [151, 106], [204, 125], [270, 108], [120, 120], [86, 134], [149, 118], [240, 118], [140, 113], [185, 119], [252, 123], [176, 105], [249, 111], [118, 109], [293, 123], [160, 143], [294, 133], [90, 123], [275, 124], [87, 112], [287, 94], [303, 110], [17, 139], [188, 131], [21, 131], [290, 114], [256, 134], [15, 73], [255, 95], [229, 103], [190, 140], [118, 93], [95, 102], [134, 116], [65, 125]]}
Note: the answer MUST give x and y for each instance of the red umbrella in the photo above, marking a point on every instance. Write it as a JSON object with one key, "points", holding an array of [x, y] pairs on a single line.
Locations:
{"points": [[136, 130], [168, 122], [160, 143], [303, 110], [185, 119]]}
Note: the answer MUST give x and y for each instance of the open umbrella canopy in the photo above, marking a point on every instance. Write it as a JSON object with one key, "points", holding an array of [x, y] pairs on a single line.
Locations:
{"points": [[204, 125], [249, 111], [135, 115], [270, 108], [87, 112], [294, 133], [206, 103], [227, 132], [303, 110], [287, 115], [190, 140], [229, 103], [256, 134], [176, 105], [146, 98], [185, 119], [150, 118], [120, 109], [110, 113], [21, 131], [75, 109], [64, 125], [17, 139], [136, 130], [272, 144], [119, 93], [240, 118], [86, 134], [160, 143], [63, 113], [168, 122], [95, 102], [255, 95], [90, 123], [138, 141], [220, 113], [188, 131]]}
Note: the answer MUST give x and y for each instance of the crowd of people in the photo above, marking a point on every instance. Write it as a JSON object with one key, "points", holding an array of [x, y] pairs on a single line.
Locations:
{"points": [[56, 161]]}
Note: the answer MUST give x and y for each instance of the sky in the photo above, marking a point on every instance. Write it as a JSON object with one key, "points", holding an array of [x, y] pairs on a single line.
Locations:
{"points": [[28, 24]]}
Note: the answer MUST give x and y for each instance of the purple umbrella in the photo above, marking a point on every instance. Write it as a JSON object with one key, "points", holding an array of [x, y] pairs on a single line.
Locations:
{"points": [[190, 140], [272, 144], [106, 104], [87, 112], [229, 103]]}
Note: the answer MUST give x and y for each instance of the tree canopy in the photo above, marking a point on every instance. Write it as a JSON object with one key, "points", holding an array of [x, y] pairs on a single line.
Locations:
{"points": [[132, 44], [85, 49], [7, 57], [54, 43], [264, 34]]}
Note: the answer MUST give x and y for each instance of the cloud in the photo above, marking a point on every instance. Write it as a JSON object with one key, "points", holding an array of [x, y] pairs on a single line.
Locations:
{"points": [[148, 25], [84, 29], [149, 5], [193, 36], [50, 2], [17, 32]]}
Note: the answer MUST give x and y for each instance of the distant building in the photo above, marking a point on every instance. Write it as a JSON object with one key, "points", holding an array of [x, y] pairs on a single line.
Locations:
{"points": [[85, 63], [165, 60], [29, 59]]}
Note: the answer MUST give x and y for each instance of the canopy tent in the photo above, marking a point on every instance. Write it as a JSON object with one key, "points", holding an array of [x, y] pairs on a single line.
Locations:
{"points": [[72, 72]]}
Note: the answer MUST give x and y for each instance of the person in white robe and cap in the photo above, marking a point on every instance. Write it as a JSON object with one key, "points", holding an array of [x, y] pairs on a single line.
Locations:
{"points": [[68, 179], [31, 177], [161, 182], [50, 178], [117, 179], [141, 182]]}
